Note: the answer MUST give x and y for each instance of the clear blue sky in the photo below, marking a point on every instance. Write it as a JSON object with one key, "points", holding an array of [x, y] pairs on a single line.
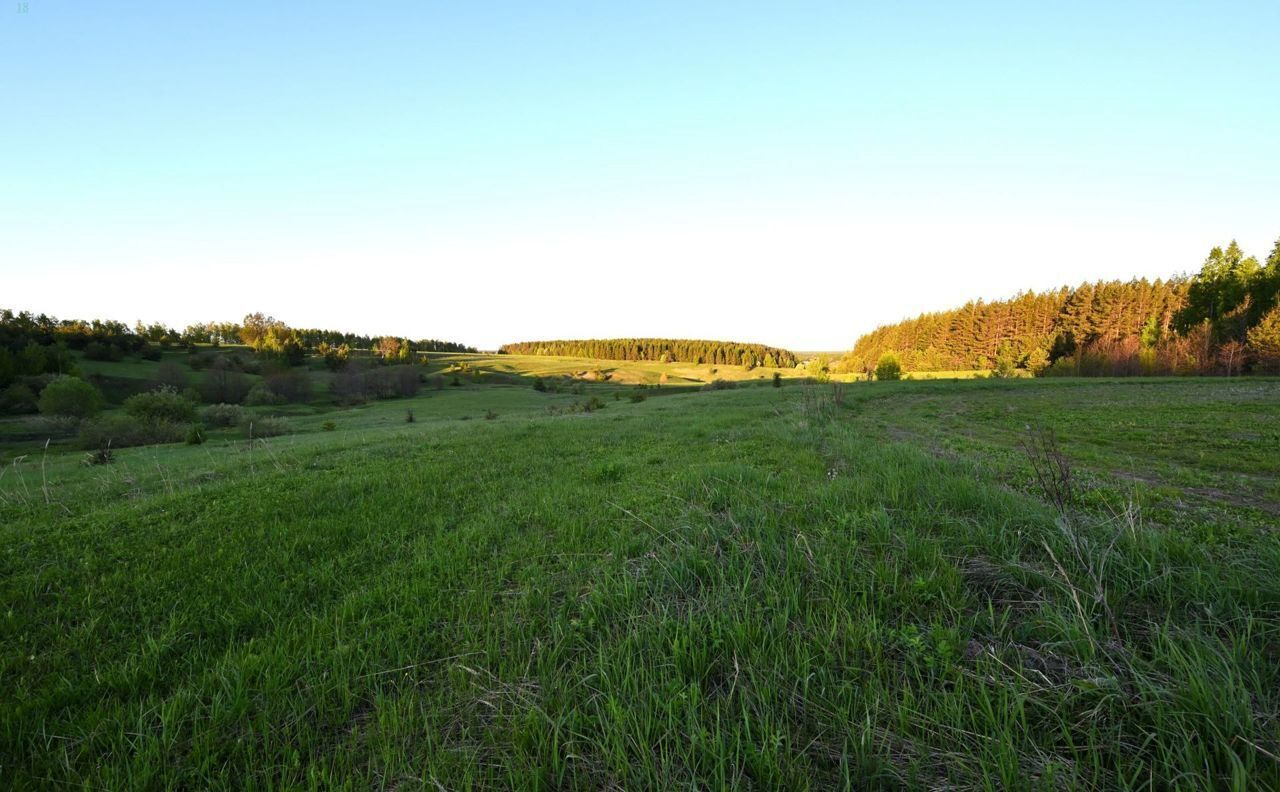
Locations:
{"points": [[792, 173]]}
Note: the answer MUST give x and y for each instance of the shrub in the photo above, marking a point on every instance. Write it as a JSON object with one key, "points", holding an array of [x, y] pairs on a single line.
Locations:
{"points": [[119, 431], [218, 415], [172, 375], [405, 380], [102, 456], [71, 398], [889, 368], [721, 384], [198, 361], [150, 352], [290, 386], [408, 416], [262, 395], [224, 384], [349, 384], [18, 399], [195, 435], [96, 350], [328, 426], [636, 396], [162, 404], [539, 384], [1037, 361], [489, 415], [1264, 342], [436, 381], [264, 426], [777, 379]]}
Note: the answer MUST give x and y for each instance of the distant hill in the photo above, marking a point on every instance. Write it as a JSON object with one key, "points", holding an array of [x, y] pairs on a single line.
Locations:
{"points": [[660, 350]]}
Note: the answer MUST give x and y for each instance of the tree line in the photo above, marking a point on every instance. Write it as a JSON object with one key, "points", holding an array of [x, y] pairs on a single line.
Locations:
{"points": [[660, 350], [308, 338], [1225, 319]]}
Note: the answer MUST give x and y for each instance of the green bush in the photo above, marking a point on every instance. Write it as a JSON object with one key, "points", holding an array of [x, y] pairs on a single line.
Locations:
{"points": [[261, 395], [195, 435], [220, 415], [294, 385], [637, 396], [777, 380], [328, 426], [68, 397], [162, 404], [264, 426], [96, 350], [889, 368], [119, 431], [18, 399], [721, 384]]}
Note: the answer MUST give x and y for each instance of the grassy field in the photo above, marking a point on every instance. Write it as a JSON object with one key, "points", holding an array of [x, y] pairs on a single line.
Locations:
{"points": [[802, 587], [620, 372]]}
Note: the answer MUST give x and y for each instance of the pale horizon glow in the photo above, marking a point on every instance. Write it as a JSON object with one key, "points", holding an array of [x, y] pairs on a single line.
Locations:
{"points": [[794, 175]]}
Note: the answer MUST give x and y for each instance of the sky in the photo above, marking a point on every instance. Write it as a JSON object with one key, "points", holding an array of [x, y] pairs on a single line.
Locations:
{"points": [[788, 173]]}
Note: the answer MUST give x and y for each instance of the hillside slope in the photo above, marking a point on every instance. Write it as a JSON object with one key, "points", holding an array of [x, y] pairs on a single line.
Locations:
{"points": [[751, 587]]}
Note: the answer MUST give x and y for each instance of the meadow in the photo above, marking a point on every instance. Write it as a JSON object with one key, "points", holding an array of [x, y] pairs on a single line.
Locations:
{"points": [[861, 585]]}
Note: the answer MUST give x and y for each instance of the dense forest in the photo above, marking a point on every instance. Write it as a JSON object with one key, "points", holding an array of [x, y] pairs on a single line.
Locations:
{"points": [[1223, 320], [662, 350]]}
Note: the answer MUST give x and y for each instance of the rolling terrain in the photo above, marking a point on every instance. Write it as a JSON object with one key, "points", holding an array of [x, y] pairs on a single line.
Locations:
{"points": [[808, 586]]}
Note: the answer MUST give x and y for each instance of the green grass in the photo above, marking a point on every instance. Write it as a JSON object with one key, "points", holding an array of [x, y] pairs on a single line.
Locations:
{"points": [[623, 372], [750, 588]]}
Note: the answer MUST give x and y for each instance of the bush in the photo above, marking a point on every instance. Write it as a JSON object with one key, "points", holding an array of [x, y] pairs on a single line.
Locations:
{"points": [[162, 404], [721, 384], [220, 415], [172, 375], [1264, 342], [405, 380], [349, 384], [261, 395], [264, 426], [195, 435], [328, 426], [18, 399], [408, 416], [119, 431], [889, 368], [199, 361], [69, 397], [1037, 361], [96, 350], [777, 379], [291, 386], [539, 384], [636, 396], [101, 456], [224, 384], [150, 352]]}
